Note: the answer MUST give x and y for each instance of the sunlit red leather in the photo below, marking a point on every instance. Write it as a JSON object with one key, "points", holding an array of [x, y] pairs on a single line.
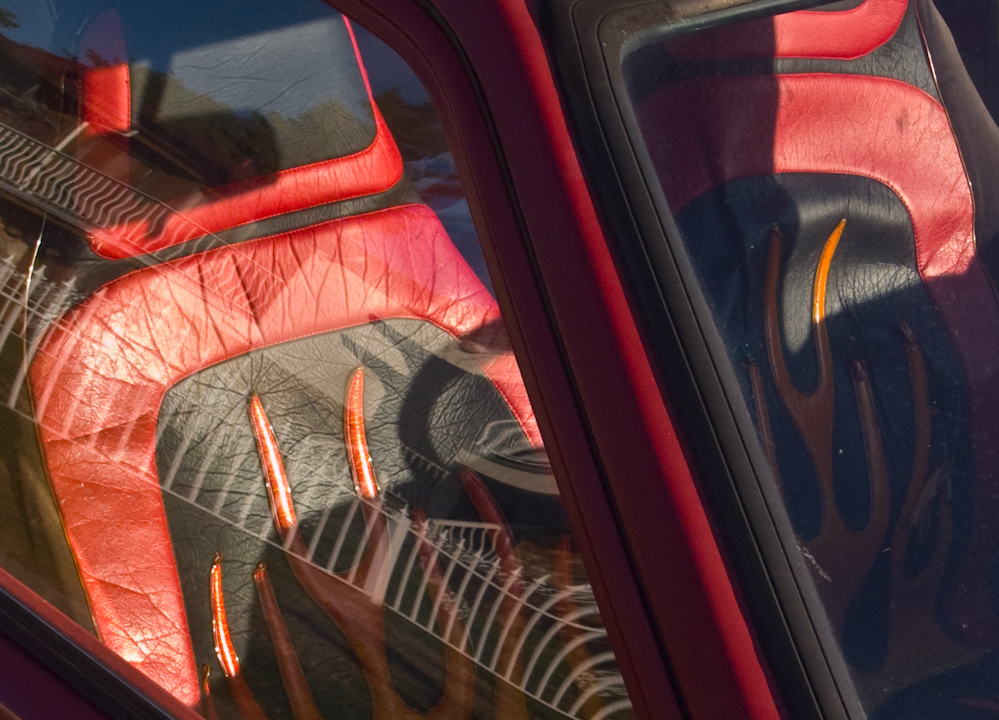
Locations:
{"points": [[100, 375]]}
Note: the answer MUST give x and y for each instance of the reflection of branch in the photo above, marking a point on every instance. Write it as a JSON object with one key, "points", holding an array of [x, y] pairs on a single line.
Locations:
{"points": [[8, 19]]}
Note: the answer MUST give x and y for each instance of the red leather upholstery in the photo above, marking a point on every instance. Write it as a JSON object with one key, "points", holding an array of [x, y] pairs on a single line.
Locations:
{"points": [[104, 103], [100, 376], [105, 100], [105, 97], [729, 132], [896, 134], [826, 124], [842, 35]]}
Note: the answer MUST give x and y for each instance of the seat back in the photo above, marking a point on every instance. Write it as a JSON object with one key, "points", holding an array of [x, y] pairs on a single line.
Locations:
{"points": [[812, 167], [118, 376]]}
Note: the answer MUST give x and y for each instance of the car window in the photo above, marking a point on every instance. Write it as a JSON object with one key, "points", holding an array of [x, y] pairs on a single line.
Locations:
{"points": [[821, 178], [266, 435]]}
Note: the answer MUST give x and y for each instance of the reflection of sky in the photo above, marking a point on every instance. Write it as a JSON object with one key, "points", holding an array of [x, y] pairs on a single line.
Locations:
{"points": [[387, 71], [36, 20], [158, 29], [286, 71]]}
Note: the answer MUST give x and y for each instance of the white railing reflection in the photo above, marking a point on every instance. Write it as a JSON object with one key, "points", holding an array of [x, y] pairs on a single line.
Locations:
{"points": [[557, 621], [64, 187]]}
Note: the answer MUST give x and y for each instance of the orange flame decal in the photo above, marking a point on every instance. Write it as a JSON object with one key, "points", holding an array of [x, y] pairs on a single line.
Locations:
{"points": [[220, 624], [822, 273], [270, 458], [357, 446]]}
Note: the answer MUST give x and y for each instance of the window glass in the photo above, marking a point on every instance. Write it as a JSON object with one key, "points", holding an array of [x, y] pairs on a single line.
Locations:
{"points": [[265, 434], [816, 166]]}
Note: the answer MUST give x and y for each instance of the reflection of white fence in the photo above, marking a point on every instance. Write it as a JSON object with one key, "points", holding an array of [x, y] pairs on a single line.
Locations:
{"points": [[63, 187], [565, 660], [473, 537], [27, 305]]}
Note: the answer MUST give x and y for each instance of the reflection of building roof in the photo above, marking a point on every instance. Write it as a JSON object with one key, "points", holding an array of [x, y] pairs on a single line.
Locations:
{"points": [[49, 66]]}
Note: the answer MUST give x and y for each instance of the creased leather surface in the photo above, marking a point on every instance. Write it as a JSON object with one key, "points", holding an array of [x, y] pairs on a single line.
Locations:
{"points": [[427, 410], [100, 376], [902, 57], [824, 123], [105, 101], [92, 271], [373, 169], [841, 35]]}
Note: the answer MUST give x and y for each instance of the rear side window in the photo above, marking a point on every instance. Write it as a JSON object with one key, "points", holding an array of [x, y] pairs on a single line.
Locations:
{"points": [[819, 178]]}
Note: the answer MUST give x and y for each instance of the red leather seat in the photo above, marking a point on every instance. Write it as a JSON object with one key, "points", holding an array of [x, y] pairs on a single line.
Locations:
{"points": [[764, 137], [102, 372], [106, 105]]}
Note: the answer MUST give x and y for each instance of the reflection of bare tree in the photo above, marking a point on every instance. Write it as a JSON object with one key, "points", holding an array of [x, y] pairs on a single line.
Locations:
{"points": [[8, 19], [32, 82], [306, 138], [184, 132], [417, 129]]}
